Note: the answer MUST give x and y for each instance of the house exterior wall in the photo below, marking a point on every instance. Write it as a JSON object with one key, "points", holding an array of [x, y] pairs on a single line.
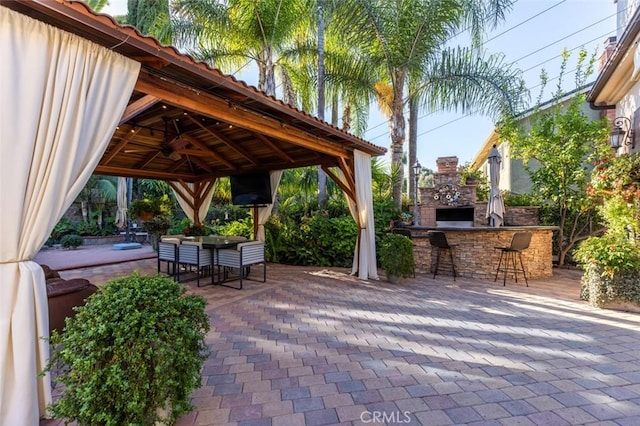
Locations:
{"points": [[513, 176], [625, 9], [629, 106]]}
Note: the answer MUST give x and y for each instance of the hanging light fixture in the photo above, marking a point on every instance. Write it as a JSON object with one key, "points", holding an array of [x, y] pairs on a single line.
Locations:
{"points": [[622, 134]]}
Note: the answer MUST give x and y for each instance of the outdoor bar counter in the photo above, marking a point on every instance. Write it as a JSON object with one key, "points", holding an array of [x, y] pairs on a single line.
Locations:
{"points": [[475, 254]]}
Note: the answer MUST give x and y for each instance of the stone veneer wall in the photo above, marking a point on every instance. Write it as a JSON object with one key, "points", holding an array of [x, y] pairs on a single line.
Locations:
{"points": [[476, 257], [513, 215]]}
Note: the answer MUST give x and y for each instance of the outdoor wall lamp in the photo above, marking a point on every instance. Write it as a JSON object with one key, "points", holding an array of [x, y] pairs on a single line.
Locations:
{"points": [[622, 134], [417, 168]]}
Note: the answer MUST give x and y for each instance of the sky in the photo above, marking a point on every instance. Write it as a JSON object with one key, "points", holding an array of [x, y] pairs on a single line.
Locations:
{"points": [[532, 37]]}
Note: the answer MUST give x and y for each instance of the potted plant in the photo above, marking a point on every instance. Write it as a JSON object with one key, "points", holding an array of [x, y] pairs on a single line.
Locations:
{"points": [[148, 207], [131, 355], [157, 226], [396, 257]]}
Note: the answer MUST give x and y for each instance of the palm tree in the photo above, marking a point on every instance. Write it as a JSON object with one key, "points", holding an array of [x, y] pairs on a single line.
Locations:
{"points": [[98, 191], [151, 17], [228, 34], [408, 38], [466, 80]]}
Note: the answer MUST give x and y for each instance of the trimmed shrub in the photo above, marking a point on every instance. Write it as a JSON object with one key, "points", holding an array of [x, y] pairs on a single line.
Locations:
{"points": [[71, 241], [132, 354]]}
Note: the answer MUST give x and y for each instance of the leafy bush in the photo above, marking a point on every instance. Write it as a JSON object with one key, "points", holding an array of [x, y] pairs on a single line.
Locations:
{"points": [[613, 254], [159, 224], [242, 227], [618, 175], [396, 255], [71, 241], [611, 269], [179, 226], [196, 230], [109, 227], [515, 199], [137, 345], [315, 240], [62, 228], [87, 228], [600, 288], [152, 204]]}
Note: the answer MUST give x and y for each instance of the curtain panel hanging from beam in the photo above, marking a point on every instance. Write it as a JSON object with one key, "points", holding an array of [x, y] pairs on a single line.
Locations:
{"points": [[62, 97], [364, 257], [265, 212]]}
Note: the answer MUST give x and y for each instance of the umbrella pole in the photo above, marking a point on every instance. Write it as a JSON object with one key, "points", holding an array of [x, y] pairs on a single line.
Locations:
{"points": [[127, 235]]}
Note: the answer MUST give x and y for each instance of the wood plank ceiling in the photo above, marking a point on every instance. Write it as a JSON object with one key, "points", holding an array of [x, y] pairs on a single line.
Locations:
{"points": [[188, 122]]}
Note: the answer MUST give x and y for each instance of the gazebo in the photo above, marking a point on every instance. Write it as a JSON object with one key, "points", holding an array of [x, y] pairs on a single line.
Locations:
{"points": [[83, 94]]}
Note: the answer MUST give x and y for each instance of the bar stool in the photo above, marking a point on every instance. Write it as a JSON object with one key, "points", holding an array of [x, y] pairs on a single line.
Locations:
{"points": [[519, 242], [438, 241]]}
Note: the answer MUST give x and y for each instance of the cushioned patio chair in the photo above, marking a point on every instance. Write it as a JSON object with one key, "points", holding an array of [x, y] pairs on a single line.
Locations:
{"points": [[168, 252], [191, 254], [245, 255]]}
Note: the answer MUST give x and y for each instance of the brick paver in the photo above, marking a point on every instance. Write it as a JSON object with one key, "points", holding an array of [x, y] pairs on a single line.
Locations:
{"points": [[314, 346]]}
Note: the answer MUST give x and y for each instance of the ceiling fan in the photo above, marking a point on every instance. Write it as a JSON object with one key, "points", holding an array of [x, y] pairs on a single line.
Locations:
{"points": [[165, 147]]}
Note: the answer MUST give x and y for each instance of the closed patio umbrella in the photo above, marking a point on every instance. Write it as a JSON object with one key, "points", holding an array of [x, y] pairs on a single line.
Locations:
{"points": [[495, 206], [121, 214]]}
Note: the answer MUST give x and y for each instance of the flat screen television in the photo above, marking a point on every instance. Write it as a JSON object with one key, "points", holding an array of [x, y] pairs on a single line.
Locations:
{"points": [[250, 189]]}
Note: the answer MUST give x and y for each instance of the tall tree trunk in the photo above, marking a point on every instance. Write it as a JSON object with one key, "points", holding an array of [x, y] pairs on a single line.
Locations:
{"points": [[270, 75], [322, 176], [397, 135], [413, 145]]}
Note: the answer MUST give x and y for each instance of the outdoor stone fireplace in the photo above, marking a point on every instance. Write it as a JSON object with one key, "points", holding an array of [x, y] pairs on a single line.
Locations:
{"points": [[448, 203], [451, 206]]}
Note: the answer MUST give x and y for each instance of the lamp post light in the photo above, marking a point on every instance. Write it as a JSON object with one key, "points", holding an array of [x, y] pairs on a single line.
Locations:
{"points": [[416, 210], [622, 134]]}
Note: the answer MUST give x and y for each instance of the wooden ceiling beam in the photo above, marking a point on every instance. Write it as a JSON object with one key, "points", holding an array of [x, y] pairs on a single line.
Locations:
{"points": [[280, 153], [177, 164], [148, 159], [202, 164], [222, 138], [116, 149], [138, 107], [217, 108], [150, 174], [195, 152], [202, 146], [348, 172], [347, 189]]}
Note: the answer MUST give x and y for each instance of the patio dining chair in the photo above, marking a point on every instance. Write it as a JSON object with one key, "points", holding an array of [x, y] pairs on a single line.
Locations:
{"points": [[191, 254], [168, 252], [242, 258]]}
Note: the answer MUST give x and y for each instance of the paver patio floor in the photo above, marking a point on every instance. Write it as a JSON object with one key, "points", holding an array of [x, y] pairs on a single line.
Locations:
{"points": [[315, 346]]}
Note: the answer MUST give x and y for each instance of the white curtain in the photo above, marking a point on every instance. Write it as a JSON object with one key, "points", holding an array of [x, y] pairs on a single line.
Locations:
{"points": [[188, 195], [121, 198], [265, 212], [62, 98], [364, 257]]}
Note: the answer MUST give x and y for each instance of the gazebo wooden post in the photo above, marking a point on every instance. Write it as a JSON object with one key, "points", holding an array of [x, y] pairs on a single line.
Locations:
{"points": [[255, 221]]}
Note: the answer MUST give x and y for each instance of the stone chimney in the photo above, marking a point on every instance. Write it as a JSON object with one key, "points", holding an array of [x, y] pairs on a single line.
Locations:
{"points": [[609, 47], [447, 165]]}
